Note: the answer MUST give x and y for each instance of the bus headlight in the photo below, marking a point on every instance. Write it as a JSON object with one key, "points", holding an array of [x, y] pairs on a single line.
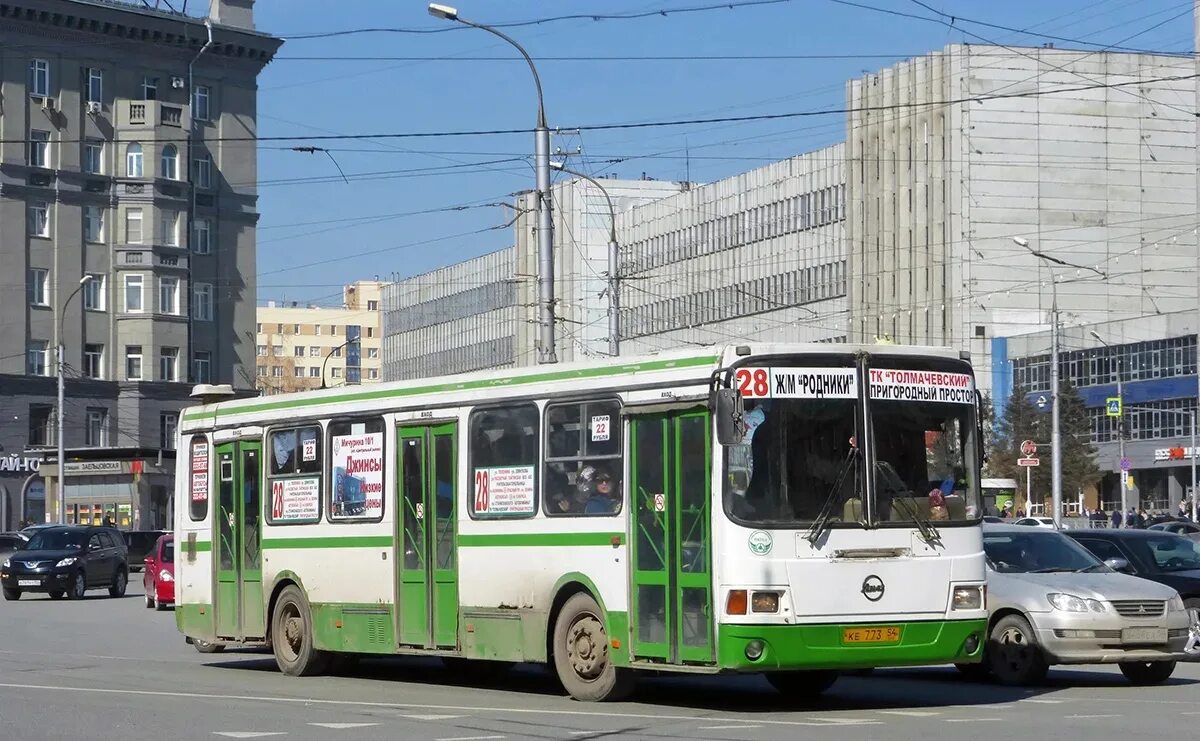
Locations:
{"points": [[967, 598], [764, 602]]}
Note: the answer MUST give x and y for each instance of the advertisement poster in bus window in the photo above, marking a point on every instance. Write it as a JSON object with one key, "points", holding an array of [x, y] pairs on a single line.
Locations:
{"points": [[295, 500], [920, 385], [504, 491], [200, 471], [357, 476]]}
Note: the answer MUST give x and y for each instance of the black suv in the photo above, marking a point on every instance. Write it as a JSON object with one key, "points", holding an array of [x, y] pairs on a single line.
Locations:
{"points": [[68, 560], [140, 544]]}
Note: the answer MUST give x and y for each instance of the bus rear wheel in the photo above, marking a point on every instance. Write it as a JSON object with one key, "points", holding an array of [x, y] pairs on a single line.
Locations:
{"points": [[802, 685], [581, 655], [292, 636]]}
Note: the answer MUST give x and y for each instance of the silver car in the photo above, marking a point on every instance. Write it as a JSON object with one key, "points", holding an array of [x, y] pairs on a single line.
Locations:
{"points": [[1053, 602]]}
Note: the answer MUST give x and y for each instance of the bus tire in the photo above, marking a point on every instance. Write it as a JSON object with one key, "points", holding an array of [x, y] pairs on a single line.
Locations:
{"points": [[581, 655], [292, 636], [802, 685]]}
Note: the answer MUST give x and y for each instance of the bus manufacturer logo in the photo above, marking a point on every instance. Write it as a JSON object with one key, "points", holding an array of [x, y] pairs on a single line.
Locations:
{"points": [[760, 542], [872, 588]]}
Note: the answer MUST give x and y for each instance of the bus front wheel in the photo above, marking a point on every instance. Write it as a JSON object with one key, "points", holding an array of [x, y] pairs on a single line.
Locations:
{"points": [[581, 655], [292, 636], [802, 685]]}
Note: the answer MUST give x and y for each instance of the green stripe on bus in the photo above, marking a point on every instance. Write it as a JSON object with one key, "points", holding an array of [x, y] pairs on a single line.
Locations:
{"points": [[540, 539], [347, 541], [203, 546], [317, 400]]}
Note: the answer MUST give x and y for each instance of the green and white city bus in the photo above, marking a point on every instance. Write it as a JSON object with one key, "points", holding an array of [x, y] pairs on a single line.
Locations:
{"points": [[789, 509]]}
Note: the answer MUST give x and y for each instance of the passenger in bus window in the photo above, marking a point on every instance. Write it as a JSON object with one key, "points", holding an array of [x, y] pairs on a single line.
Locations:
{"points": [[605, 498]]}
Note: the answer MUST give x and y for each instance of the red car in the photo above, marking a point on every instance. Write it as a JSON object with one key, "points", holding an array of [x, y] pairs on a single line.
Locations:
{"points": [[159, 575]]}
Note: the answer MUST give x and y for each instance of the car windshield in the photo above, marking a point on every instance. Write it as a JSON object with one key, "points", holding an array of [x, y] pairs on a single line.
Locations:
{"points": [[168, 552], [56, 540], [1037, 551], [1169, 552]]}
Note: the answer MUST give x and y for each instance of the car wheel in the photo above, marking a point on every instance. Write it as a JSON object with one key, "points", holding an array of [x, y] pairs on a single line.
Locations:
{"points": [[206, 647], [581, 656], [973, 671], [120, 582], [1193, 608], [12, 594], [56, 594], [149, 601], [159, 605], [802, 685], [292, 636], [78, 586], [1013, 655], [1147, 672]]}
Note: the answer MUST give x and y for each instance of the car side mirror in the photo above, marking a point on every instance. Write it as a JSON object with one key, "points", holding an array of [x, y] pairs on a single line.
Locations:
{"points": [[730, 411], [93, 546], [149, 561], [1118, 564]]}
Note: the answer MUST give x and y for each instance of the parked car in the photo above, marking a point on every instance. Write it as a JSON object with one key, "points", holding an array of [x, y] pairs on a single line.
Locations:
{"points": [[1159, 556], [1179, 527], [1047, 522], [1051, 601], [140, 543], [68, 560], [29, 531], [159, 576]]}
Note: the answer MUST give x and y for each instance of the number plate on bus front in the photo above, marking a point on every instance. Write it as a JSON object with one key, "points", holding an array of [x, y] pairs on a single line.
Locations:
{"points": [[876, 634]]}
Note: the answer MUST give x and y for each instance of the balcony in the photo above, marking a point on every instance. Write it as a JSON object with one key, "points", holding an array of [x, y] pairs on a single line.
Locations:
{"points": [[150, 113]]}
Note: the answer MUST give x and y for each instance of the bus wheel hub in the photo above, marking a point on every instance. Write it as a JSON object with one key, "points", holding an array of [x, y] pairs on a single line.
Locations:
{"points": [[587, 647]]}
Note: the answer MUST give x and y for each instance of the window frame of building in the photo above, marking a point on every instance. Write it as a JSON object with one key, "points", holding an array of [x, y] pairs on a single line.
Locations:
{"points": [[168, 228], [372, 306], [93, 224], [314, 351], [168, 364], [39, 78], [132, 216], [95, 85], [39, 149], [39, 219], [335, 372], [261, 351], [202, 303], [168, 162], [96, 427], [168, 429], [168, 295], [135, 281], [149, 87], [298, 351], [202, 359], [202, 172], [37, 358], [298, 371], [135, 161], [202, 236], [41, 425], [201, 103], [93, 360], [277, 371], [92, 157], [372, 353], [132, 357], [94, 293], [314, 371], [37, 284]]}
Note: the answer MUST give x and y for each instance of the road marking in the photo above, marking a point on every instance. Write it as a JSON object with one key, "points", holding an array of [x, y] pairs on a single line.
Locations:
{"points": [[1191, 713], [1088, 717], [470, 738], [430, 717], [910, 713], [342, 726], [970, 720], [739, 726], [248, 734], [1045, 702]]}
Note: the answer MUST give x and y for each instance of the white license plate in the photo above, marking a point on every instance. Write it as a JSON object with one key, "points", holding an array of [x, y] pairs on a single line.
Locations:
{"points": [[1144, 635], [29, 582]]}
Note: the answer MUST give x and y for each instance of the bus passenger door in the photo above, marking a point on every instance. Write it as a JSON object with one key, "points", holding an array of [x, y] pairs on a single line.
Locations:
{"points": [[239, 596], [427, 584], [672, 615]]}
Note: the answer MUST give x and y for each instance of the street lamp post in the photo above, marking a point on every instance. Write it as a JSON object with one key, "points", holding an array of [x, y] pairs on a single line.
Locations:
{"points": [[541, 154], [58, 362], [329, 355], [614, 300], [1120, 424]]}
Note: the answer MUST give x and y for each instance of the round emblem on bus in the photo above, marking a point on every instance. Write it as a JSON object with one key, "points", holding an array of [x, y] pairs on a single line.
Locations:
{"points": [[872, 588], [760, 542]]}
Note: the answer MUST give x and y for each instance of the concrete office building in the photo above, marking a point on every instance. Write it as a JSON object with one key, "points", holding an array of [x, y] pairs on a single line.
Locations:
{"points": [[116, 167], [308, 347], [1090, 156]]}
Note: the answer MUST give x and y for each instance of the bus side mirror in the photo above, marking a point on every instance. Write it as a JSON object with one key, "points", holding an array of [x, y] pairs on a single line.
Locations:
{"points": [[731, 423]]}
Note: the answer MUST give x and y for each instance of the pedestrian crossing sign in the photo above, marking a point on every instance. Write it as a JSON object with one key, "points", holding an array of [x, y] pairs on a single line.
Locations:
{"points": [[1112, 406]]}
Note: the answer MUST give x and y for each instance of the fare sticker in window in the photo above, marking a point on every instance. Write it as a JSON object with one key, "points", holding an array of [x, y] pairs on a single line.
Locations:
{"points": [[918, 385], [295, 500], [200, 472], [600, 428], [797, 383], [504, 491], [357, 475], [310, 449]]}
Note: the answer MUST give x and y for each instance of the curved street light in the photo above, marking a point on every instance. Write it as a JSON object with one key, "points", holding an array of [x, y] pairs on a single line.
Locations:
{"points": [[329, 355], [58, 358]]}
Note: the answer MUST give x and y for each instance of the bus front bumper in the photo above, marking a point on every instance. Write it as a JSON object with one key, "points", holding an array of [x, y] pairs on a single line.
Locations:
{"points": [[754, 648]]}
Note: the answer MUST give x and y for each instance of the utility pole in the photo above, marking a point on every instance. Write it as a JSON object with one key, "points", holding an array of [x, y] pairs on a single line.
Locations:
{"points": [[59, 353], [1120, 426]]}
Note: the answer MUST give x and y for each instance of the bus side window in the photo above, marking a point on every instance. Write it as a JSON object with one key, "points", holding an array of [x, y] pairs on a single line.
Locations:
{"points": [[503, 460], [584, 459]]}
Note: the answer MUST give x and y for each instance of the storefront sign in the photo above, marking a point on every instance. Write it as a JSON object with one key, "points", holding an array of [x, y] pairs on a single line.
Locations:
{"points": [[90, 467], [16, 464], [1173, 454]]}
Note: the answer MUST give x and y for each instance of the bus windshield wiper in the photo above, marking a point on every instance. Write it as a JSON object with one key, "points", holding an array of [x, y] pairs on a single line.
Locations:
{"points": [[929, 533], [821, 525], [1093, 567]]}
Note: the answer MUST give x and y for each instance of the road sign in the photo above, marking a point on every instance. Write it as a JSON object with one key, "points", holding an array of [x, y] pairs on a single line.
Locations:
{"points": [[1028, 462], [1028, 448], [1126, 464], [1112, 406], [1041, 401]]}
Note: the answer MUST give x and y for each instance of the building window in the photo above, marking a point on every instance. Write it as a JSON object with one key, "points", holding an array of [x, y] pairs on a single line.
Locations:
{"points": [[133, 226], [134, 163], [201, 366], [93, 156], [39, 219], [39, 77], [202, 236], [317, 330], [133, 362], [298, 371], [40, 424], [168, 364], [168, 226], [314, 352], [168, 295], [202, 172], [95, 85], [39, 149], [168, 423], [97, 427], [93, 360], [149, 88], [372, 353], [133, 293], [314, 372], [370, 331], [277, 371], [372, 306], [259, 327], [169, 164], [295, 329], [93, 224], [38, 281], [262, 371], [373, 374], [333, 330], [36, 361], [336, 372], [337, 352], [262, 351], [277, 350], [202, 308], [94, 293], [200, 100], [298, 352]]}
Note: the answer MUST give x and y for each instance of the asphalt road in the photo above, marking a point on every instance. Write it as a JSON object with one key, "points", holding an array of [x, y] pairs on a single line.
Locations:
{"points": [[110, 669]]}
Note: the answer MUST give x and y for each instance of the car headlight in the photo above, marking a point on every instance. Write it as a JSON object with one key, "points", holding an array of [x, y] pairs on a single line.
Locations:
{"points": [[165, 575], [7, 562], [1071, 603], [68, 561], [1176, 603], [967, 598]]}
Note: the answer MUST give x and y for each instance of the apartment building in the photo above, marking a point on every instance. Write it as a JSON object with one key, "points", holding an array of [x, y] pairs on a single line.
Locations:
{"points": [[300, 348], [127, 222]]}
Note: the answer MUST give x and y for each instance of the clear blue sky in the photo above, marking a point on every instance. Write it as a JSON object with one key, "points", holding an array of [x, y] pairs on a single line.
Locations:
{"points": [[315, 235]]}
